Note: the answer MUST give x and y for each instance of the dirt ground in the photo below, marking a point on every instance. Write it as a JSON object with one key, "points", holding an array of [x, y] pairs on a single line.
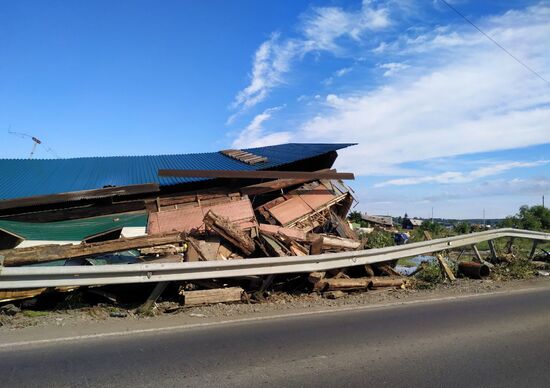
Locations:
{"points": [[274, 303]]}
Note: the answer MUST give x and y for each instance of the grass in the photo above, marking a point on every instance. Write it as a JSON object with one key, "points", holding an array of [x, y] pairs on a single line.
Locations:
{"points": [[34, 313]]}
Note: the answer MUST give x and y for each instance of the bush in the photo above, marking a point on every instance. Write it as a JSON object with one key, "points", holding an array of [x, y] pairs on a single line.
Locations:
{"points": [[380, 239], [430, 275], [462, 227]]}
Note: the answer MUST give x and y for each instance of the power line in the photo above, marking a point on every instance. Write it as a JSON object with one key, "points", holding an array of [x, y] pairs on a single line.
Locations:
{"points": [[495, 42]]}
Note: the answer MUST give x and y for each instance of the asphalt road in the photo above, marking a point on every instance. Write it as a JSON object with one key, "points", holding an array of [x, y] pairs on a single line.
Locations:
{"points": [[488, 341]]}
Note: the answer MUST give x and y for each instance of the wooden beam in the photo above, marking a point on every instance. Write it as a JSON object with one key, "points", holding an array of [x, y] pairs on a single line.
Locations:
{"points": [[78, 195], [240, 174], [216, 295], [231, 232], [445, 268], [45, 253], [276, 185]]}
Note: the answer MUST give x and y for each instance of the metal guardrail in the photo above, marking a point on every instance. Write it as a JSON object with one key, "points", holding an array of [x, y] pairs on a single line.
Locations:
{"points": [[33, 277]]}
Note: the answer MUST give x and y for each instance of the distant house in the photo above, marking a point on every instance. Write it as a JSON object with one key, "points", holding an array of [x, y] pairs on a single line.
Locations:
{"points": [[382, 221], [411, 223]]}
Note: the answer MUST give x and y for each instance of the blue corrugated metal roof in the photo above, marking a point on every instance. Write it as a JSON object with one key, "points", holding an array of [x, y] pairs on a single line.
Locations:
{"points": [[26, 178]]}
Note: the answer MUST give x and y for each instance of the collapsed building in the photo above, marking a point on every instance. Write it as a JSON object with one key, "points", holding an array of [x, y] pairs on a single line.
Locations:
{"points": [[282, 200]]}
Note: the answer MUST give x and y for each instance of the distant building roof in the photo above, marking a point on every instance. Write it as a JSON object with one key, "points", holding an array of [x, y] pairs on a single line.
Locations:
{"points": [[26, 178], [416, 222], [380, 220]]}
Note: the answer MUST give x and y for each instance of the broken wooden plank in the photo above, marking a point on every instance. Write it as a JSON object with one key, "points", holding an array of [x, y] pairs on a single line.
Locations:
{"points": [[217, 295], [316, 247], [45, 253], [295, 234], [479, 258], [231, 232], [259, 174], [445, 268]]}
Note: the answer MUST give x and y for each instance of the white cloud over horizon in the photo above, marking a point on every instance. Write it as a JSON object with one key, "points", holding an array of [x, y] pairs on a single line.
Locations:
{"points": [[450, 177], [462, 96]]}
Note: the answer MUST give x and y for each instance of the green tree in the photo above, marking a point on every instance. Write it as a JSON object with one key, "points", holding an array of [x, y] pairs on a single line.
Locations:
{"points": [[355, 217], [531, 218], [462, 227], [433, 227]]}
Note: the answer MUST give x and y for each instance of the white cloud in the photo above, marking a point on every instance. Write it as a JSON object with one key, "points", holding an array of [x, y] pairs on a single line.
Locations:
{"points": [[254, 134], [342, 72], [392, 68], [473, 98], [271, 62], [462, 177], [321, 30]]}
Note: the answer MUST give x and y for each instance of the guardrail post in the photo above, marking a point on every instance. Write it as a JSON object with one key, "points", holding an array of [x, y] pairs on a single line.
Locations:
{"points": [[510, 248], [493, 251], [533, 249], [157, 291]]}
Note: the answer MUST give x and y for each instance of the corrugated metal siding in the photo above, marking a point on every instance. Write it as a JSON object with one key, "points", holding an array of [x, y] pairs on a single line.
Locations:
{"points": [[26, 178]]}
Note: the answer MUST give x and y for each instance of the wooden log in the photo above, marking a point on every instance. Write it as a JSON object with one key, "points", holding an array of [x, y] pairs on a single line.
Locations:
{"points": [[45, 253], [231, 232], [217, 295], [348, 284], [333, 242], [379, 282], [369, 270], [314, 277]]}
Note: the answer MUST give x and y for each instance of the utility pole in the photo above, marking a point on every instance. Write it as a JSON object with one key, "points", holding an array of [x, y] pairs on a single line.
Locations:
{"points": [[483, 218], [432, 214], [543, 201]]}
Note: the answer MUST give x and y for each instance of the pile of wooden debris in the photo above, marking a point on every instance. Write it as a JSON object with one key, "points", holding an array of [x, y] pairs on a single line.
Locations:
{"points": [[282, 217]]}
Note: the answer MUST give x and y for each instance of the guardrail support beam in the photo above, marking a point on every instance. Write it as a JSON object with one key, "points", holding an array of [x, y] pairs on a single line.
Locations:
{"points": [[150, 302], [494, 255], [533, 249]]}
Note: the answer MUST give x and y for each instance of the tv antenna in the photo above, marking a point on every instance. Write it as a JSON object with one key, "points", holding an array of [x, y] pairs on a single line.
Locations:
{"points": [[35, 143]]}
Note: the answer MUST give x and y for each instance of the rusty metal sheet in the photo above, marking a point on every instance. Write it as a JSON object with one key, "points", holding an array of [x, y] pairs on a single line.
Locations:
{"points": [[191, 217]]}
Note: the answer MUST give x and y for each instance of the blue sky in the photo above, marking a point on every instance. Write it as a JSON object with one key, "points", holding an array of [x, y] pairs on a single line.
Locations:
{"points": [[443, 117]]}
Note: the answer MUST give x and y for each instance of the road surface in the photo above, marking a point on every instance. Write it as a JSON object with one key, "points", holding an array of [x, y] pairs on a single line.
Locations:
{"points": [[489, 341]]}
